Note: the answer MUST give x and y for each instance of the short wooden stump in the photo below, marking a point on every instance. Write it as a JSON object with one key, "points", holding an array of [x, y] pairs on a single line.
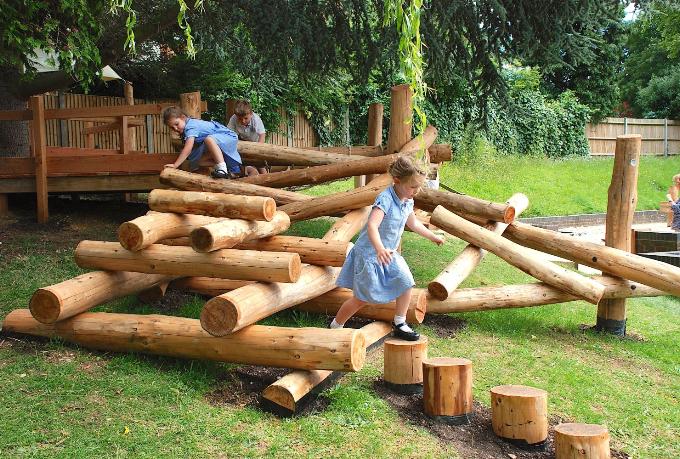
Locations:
{"points": [[519, 414], [447, 389], [581, 441], [403, 365]]}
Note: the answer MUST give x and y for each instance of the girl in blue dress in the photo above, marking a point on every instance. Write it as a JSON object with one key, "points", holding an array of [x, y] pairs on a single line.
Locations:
{"points": [[374, 270], [206, 136]]}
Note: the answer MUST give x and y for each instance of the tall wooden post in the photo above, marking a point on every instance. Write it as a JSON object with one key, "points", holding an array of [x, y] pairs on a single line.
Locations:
{"points": [[401, 114], [229, 109], [190, 102], [622, 198], [375, 127], [38, 131], [130, 100]]}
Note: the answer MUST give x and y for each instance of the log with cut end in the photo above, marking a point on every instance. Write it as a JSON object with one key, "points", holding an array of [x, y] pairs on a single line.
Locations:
{"points": [[275, 155], [609, 260], [301, 348], [403, 364], [311, 250], [514, 254], [337, 202], [348, 226], [153, 227], [213, 204], [290, 391], [447, 389], [196, 182], [460, 268], [184, 261], [73, 296], [226, 234], [401, 114], [329, 303], [520, 413], [527, 295], [581, 441], [428, 199], [440, 152], [239, 308]]}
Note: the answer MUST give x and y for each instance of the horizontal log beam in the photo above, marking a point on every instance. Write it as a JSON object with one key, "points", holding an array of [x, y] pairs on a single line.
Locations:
{"points": [[153, 227], [226, 234], [213, 204], [277, 155], [428, 199]]}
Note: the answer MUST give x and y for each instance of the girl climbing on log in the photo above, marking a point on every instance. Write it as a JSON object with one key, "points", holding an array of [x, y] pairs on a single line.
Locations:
{"points": [[673, 197], [374, 271], [206, 137]]}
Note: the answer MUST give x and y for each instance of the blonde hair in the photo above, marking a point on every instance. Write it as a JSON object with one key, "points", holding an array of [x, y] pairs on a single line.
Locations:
{"points": [[243, 108], [405, 167], [172, 113]]}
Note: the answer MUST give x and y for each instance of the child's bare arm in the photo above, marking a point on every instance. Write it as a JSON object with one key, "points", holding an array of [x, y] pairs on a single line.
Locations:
{"points": [[417, 227], [374, 220], [184, 154]]}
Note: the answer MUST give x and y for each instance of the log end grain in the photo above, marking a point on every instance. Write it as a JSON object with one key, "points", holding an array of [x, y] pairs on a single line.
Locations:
{"points": [[219, 316], [419, 300], [437, 290], [295, 267], [45, 306], [509, 214], [130, 236], [201, 240], [358, 351], [281, 396], [269, 209]]}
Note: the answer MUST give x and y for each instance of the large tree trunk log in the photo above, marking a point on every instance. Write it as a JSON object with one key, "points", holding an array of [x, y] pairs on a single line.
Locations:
{"points": [[226, 234], [311, 250], [213, 204], [184, 261], [460, 268], [447, 389], [290, 391], [73, 296], [440, 152], [333, 203], [620, 263], [428, 199], [239, 308], [622, 198], [148, 229], [196, 182], [581, 441], [303, 348], [330, 302], [520, 413], [276, 155], [528, 295], [514, 254], [401, 113], [348, 226]]}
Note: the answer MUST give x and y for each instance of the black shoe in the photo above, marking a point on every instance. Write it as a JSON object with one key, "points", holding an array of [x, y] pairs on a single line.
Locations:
{"points": [[401, 333], [218, 173]]}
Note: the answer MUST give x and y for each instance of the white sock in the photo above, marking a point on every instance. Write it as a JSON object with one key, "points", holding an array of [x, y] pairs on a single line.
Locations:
{"points": [[221, 167], [335, 325], [398, 320]]}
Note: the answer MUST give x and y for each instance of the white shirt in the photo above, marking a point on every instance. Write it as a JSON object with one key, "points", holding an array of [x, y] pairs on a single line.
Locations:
{"points": [[251, 131]]}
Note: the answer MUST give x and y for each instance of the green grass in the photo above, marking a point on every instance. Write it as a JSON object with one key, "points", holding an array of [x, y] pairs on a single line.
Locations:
{"points": [[58, 400]]}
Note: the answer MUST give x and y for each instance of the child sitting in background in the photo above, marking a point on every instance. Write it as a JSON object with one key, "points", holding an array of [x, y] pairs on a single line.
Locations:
{"points": [[248, 125]]}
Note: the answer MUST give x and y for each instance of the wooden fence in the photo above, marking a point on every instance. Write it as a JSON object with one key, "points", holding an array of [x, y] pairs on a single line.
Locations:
{"points": [[659, 136], [153, 136]]}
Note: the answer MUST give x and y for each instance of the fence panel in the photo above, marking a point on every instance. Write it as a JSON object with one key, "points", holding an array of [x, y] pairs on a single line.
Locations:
{"points": [[659, 136]]}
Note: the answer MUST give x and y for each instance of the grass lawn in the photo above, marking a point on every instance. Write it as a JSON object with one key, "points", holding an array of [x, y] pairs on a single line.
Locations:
{"points": [[59, 400]]}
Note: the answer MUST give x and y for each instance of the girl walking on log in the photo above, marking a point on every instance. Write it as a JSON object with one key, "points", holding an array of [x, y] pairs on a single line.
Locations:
{"points": [[374, 271]]}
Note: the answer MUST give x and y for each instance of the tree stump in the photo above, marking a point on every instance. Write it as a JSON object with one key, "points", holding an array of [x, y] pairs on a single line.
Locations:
{"points": [[403, 365], [581, 441], [447, 389], [519, 414]]}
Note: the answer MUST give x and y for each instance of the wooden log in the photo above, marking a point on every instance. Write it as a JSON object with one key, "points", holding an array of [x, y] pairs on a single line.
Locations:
{"points": [[73, 296], [302, 348], [527, 295], [447, 389], [428, 199], [348, 226], [39, 143], [208, 286], [375, 123], [290, 393], [401, 113], [226, 234], [153, 227], [413, 146], [621, 202], [519, 414], [337, 202], [620, 263], [311, 250], [213, 204], [581, 441], [330, 302], [276, 155], [239, 308], [190, 103], [440, 152], [403, 365], [463, 265], [196, 182], [184, 261], [514, 254]]}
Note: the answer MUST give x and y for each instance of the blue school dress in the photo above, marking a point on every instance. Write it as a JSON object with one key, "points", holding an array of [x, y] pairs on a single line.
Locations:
{"points": [[675, 223], [225, 138], [370, 280]]}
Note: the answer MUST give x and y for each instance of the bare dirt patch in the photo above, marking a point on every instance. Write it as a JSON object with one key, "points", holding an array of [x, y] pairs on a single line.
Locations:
{"points": [[444, 326]]}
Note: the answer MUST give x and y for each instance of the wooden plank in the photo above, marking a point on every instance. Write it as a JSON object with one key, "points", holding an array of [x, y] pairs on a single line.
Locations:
{"points": [[103, 183], [113, 126], [149, 134], [94, 112], [71, 151], [37, 105]]}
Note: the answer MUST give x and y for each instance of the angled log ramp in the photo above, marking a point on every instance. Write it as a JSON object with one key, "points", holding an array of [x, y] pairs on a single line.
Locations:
{"points": [[226, 234], [298, 348], [528, 295], [348, 226], [291, 394], [232, 311], [184, 261], [196, 182], [276, 155], [213, 204], [330, 302], [71, 297], [609, 260], [428, 199], [514, 254], [465, 263]]}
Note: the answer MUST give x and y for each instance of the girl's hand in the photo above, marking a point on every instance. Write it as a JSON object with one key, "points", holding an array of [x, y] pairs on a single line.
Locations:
{"points": [[384, 256], [438, 239], [171, 166]]}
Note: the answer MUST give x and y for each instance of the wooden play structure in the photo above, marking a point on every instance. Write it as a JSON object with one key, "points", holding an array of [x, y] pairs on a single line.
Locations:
{"points": [[221, 238]]}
